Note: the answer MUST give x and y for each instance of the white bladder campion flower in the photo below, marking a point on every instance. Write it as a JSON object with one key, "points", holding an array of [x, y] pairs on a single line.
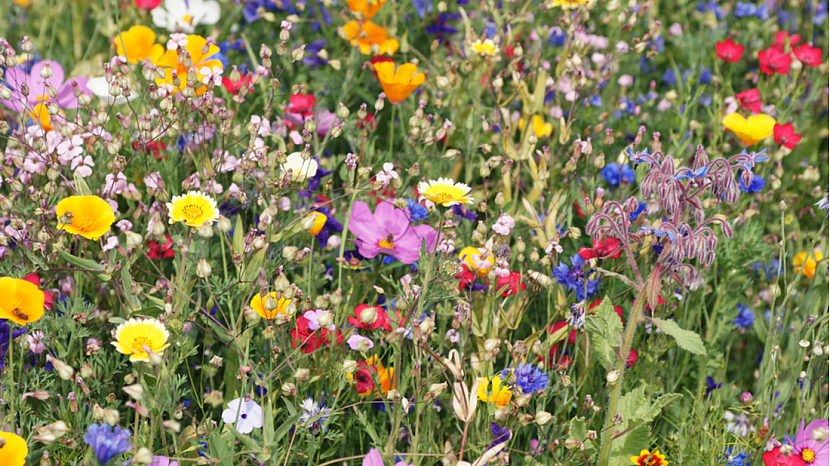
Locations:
{"points": [[184, 15], [246, 415], [301, 169]]}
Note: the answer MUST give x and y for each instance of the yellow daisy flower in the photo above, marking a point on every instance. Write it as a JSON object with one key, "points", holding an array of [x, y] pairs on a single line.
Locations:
{"points": [[650, 459], [135, 336], [445, 192], [13, 449], [193, 208], [750, 130], [22, 301], [491, 390], [809, 264], [283, 306], [90, 216], [485, 48], [566, 4]]}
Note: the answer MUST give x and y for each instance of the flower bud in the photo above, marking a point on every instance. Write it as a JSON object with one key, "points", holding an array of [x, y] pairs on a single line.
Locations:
{"points": [[203, 269], [543, 417], [368, 315], [349, 366], [613, 376], [302, 375], [223, 224], [289, 389], [746, 398]]}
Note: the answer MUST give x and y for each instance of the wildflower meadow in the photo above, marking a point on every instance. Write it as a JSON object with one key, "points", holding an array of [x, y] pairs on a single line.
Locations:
{"points": [[414, 232]]}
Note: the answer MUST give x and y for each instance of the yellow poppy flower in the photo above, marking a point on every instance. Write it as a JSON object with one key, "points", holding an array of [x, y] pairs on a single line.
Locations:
{"points": [[539, 126], [365, 9], [566, 4], [485, 48], [809, 264], [398, 84], [445, 192], [193, 208], [169, 61], [22, 301], [750, 130], [491, 390], [283, 306], [138, 44], [317, 220], [13, 449], [478, 260], [134, 337], [91, 216], [41, 115], [366, 34], [650, 459]]}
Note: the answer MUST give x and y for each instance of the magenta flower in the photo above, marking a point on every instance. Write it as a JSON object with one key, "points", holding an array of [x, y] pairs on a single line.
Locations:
{"points": [[388, 231], [16, 78], [814, 452]]}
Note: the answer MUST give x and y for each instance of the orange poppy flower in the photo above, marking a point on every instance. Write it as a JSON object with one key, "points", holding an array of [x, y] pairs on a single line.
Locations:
{"points": [[367, 34], [365, 9], [22, 301], [201, 62], [398, 84]]}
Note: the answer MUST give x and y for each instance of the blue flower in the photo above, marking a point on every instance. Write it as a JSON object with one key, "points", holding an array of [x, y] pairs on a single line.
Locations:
{"points": [[528, 377], [735, 457], [769, 270], [573, 278], [710, 7], [331, 226], [745, 317], [641, 207], [614, 173], [711, 386], [755, 186], [106, 442], [557, 37], [422, 7], [462, 211], [310, 58], [596, 100], [500, 434], [5, 330], [417, 212], [742, 10]]}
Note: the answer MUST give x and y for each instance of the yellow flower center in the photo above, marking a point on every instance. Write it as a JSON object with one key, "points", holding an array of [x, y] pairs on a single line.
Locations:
{"points": [[808, 455], [192, 212], [387, 242], [187, 18], [139, 342]]}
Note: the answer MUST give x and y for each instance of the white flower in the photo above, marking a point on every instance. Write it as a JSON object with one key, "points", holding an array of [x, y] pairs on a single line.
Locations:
{"points": [[247, 415], [177, 40], [209, 75], [175, 15], [312, 409], [823, 204], [68, 149], [738, 425], [387, 175], [101, 89], [112, 242], [300, 169]]}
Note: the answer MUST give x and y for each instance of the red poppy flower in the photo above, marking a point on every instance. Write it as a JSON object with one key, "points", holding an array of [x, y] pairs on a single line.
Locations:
{"points": [[785, 135], [465, 278], [235, 86], [579, 210], [147, 4], [512, 282], [48, 299], [808, 55], [153, 148], [751, 100], [363, 314], [633, 356], [302, 104], [378, 59], [617, 309], [555, 327], [157, 251], [729, 51], [776, 458], [303, 336], [660, 300], [609, 248], [774, 61], [363, 379], [781, 38]]}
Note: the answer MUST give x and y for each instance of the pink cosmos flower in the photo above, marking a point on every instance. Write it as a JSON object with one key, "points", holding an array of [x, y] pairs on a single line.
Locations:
{"points": [[812, 451], [16, 78], [388, 231]]}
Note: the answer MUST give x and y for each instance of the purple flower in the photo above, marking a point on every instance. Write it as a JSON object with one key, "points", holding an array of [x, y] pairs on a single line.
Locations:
{"points": [[388, 231], [106, 442], [5, 330], [15, 79], [163, 461], [500, 434], [310, 58], [711, 386]]}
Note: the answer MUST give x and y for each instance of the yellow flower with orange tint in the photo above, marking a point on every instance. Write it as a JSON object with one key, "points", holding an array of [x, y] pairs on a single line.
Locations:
{"points": [[750, 130], [22, 301], [398, 84], [365, 9], [199, 62], [14, 450], [41, 115], [809, 264], [316, 221], [539, 126], [566, 4], [88, 216], [366, 34], [491, 390], [137, 337], [647, 458], [138, 44], [445, 191], [282, 306], [193, 208]]}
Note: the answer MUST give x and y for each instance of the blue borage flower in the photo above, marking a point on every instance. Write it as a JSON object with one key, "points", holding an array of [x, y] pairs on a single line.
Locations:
{"points": [[755, 186], [573, 278], [106, 442], [527, 377], [745, 317]]}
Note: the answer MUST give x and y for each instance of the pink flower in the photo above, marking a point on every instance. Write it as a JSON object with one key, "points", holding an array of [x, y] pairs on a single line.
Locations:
{"points": [[15, 79], [82, 165], [36, 342], [388, 231], [504, 225], [359, 343]]}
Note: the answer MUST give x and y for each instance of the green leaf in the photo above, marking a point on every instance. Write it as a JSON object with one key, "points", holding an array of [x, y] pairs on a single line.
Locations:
{"points": [[686, 339], [81, 187], [239, 236], [578, 430], [284, 429], [605, 328]]}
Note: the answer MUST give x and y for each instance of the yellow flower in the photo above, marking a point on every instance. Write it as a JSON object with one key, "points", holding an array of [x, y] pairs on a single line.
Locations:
{"points": [[367, 34], [366, 9], [13, 450], [566, 4], [138, 44], [41, 115], [200, 61], [750, 130], [193, 208], [539, 126], [91, 216], [445, 192], [650, 459], [490, 390], [258, 304], [486, 48], [397, 85], [809, 264], [317, 223], [477, 260], [22, 301], [134, 337]]}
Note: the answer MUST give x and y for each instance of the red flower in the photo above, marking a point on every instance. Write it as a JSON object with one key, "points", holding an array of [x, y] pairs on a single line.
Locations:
{"points": [[465, 278], [776, 458], [308, 340], [147, 4], [153, 148], [579, 210], [781, 40], [48, 299], [368, 122], [660, 300], [785, 135], [363, 379], [381, 318], [378, 59], [553, 328], [608, 248], [633, 356], [808, 55], [774, 61], [729, 51], [512, 282], [751, 100], [302, 104], [160, 251], [235, 86]]}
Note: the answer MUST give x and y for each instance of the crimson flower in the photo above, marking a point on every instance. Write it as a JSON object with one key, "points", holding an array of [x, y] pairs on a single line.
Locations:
{"points": [[774, 61], [608, 248], [776, 458], [557, 360], [301, 104], [465, 278], [153, 148], [48, 299], [785, 135], [363, 378], [512, 282], [781, 38], [369, 317], [147, 4], [369, 122], [309, 340], [555, 327], [157, 251], [235, 86], [751, 100], [633, 356], [729, 51], [808, 55]]}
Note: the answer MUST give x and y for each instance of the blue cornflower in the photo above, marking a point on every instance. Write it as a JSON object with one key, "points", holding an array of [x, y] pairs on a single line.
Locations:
{"points": [[500, 434], [745, 317], [755, 186], [735, 457], [312, 409], [106, 442], [417, 212], [711, 386], [528, 377], [5, 329], [573, 278], [710, 7], [614, 173], [769, 270], [824, 204]]}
